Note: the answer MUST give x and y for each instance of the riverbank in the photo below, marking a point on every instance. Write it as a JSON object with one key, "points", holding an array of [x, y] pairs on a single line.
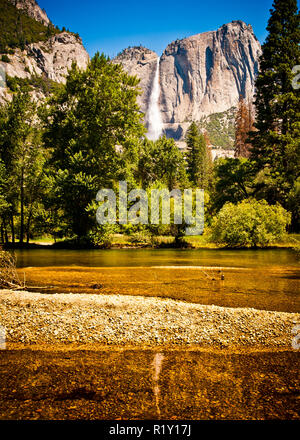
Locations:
{"points": [[118, 357], [121, 241], [34, 318]]}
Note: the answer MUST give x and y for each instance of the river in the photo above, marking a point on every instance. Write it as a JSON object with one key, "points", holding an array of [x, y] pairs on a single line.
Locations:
{"points": [[262, 279]]}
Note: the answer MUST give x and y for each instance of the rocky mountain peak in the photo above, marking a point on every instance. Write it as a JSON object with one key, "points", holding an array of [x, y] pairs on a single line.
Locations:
{"points": [[32, 9], [136, 53], [206, 73], [140, 61], [199, 75]]}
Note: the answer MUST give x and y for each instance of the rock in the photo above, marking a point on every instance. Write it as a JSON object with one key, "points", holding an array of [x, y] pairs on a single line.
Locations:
{"points": [[141, 62], [32, 9], [50, 59], [199, 75], [96, 286]]}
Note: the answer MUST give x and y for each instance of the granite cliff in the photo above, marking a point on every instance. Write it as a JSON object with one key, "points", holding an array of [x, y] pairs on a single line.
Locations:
{"points": [[200, 75], [50, 58], [31, 8]]}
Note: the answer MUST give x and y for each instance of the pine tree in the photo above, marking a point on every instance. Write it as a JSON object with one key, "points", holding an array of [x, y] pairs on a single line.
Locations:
{"points": [[276, 142], [198, 157], [243, 125]]}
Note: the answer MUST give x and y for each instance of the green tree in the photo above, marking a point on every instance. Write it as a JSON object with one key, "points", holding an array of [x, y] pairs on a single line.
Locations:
{"points": [[234, 181], [250, 223], [276, 142], [199, 162], [90, 122], [4, 204], [161, 160], [22, 154]]}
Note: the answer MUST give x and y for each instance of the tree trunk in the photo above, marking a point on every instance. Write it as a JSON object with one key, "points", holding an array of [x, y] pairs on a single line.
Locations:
{"points": [[12, 228], [5, 232], [22, 208], [28, 226], [2, 233]]}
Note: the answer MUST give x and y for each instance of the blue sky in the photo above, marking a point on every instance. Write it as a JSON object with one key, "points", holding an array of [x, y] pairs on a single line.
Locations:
{"points": [[111, 26]]}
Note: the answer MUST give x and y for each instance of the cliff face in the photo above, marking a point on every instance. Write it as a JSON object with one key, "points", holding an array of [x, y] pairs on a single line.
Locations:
{"points": [[52, 58], [32, 9], [141, 62], [201, 75]]}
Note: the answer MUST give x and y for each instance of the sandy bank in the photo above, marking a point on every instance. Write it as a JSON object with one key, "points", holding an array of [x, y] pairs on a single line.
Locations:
{"points": [[34, 318]]}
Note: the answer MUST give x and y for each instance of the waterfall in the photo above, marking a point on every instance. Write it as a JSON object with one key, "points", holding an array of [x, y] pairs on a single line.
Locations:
{"points": [[155, 124]]}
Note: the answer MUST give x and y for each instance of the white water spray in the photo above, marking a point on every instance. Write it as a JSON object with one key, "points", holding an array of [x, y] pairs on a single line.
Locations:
{"points": [[155, 124]]}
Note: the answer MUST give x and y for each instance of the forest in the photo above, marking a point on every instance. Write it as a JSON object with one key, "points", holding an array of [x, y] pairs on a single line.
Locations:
{"points": [[90, 134]]}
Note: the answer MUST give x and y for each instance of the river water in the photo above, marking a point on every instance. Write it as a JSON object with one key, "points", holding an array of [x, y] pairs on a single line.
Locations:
{"points": [[262, 279], [160, 382]]}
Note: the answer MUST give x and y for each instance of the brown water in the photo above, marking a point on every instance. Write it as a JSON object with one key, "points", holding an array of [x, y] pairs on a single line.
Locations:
{"points": [[262, 279], [145, 384], [157, 257], [142, 383]]}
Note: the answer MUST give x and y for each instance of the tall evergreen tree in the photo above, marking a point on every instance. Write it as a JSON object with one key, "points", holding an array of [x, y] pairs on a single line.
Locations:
{"points": [[276, 142], [198, 157]]}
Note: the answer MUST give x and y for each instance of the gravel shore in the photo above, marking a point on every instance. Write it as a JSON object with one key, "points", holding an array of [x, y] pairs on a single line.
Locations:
{"points": [[34, 318]]}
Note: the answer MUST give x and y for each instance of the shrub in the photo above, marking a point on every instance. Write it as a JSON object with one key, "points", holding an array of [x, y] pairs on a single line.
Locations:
{"points": [[5, 59], [250, 223], [102, 236], [140, 237]]}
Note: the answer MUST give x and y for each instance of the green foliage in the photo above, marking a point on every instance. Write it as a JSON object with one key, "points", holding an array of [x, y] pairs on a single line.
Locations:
{"points": [[143, 236], [233, 181], [5, 59], [4, 204], [199, 163], [250, 223], [23, 159], [276, 143], [93, 114], [35, 82], [161, 161], [18, 29], [220, 128], [102, 237]]}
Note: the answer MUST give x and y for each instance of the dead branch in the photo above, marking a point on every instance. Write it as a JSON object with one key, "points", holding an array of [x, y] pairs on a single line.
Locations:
{"points": [[9, 278]]}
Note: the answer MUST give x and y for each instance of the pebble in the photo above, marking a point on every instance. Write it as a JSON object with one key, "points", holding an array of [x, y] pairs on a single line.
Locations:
{"points": [[116, 319]]}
